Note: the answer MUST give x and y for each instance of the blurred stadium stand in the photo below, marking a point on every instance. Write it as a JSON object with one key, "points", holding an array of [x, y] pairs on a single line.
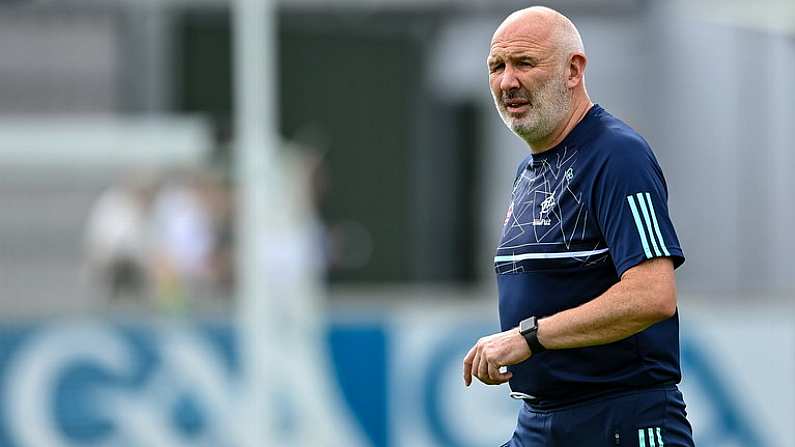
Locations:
{"points": [[430, 141], [53, 170]]}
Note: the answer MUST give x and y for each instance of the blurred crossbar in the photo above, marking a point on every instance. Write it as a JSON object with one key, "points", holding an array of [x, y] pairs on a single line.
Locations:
{"points": [[104, 141]]}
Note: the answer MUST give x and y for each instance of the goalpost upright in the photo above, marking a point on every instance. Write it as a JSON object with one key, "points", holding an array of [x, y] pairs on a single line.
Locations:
{"points": [[253, 31]]}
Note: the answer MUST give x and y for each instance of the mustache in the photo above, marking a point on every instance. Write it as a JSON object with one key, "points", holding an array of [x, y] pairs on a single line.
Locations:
{"points": [[516, 94]]}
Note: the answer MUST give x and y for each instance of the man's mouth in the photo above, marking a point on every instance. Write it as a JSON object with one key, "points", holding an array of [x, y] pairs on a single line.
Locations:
{"points": [[515, 105]]}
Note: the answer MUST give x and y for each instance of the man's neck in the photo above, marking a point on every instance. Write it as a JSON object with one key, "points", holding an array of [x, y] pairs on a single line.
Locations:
{"points": [[578, 111]]}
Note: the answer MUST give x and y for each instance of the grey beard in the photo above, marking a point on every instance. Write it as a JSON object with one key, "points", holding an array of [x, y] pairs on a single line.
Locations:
{"points": [[549, 106], [542, 127]]}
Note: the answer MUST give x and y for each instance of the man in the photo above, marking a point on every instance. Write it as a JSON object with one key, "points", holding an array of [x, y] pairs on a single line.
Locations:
{"points": [[585, 265]]}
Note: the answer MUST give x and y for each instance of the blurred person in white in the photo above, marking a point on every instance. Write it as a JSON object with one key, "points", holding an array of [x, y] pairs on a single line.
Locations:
{"points": [[116, 239], [585, 265], [183, 240]]}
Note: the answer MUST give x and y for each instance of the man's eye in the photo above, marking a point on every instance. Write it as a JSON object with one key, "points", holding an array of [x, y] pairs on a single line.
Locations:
{"points": [[497, 67], [525, 63]]}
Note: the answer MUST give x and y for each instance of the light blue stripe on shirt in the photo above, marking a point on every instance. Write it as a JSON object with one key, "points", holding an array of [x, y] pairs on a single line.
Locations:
{"points": [[553, 255], [656, 227], [639, 226]]}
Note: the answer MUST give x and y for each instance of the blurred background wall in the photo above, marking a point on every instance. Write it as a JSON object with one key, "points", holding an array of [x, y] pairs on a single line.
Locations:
{"points": [[116, 155]]}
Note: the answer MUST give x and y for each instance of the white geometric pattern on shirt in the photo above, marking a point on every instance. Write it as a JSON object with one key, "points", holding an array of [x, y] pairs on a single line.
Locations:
{"points": [[536, 198]]}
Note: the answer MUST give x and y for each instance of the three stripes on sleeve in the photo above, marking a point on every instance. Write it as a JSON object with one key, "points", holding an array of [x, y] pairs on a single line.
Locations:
{"points": [[650, 235]]}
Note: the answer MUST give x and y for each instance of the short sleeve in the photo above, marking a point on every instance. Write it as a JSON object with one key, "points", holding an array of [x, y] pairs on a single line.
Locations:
{"points": [[630, 201]]}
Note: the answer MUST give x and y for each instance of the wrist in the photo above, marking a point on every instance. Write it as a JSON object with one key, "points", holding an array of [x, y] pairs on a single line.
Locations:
{"points": [[528, 328]]}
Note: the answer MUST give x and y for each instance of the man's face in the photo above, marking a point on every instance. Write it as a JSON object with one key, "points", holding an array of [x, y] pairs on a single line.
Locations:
{"points": [[528, 83]]}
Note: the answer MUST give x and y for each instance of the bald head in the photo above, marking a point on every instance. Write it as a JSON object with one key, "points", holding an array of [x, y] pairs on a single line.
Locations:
{"points": [[544, 25]]}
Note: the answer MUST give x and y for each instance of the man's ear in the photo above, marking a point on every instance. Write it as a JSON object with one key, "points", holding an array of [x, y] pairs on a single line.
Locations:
{"points": [[577, 64]]}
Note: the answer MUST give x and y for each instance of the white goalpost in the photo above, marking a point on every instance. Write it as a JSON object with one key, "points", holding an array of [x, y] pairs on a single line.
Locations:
{"points": [[286, 368]]}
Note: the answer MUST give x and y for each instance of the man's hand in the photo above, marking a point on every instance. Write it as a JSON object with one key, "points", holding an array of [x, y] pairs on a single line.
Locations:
{"points": [[491, 353]]}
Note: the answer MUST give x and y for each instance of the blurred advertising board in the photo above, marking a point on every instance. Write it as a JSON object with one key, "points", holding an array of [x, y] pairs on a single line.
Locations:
{"points": [[140, 382]]}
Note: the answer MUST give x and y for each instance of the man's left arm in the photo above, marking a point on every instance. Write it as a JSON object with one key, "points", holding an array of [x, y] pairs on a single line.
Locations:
{"points": [[645, 295]]}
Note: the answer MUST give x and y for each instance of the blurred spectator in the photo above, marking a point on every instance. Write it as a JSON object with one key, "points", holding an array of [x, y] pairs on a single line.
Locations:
{"points": [[184, 238], [163, 240], [219, 198], [116, 238]]}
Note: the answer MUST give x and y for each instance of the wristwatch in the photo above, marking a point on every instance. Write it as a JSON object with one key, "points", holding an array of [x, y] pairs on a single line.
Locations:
{"points": [[529, 330]]}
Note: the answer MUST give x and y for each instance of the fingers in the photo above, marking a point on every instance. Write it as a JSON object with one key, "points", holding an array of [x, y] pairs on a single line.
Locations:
{"points": [[468, 360], [498, 377], [489, 370], [484, 362], [493, 372], [476, 362], [483, 367]]}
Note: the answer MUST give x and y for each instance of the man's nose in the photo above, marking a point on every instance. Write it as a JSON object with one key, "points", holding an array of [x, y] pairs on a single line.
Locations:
{"points": [[509, 81]]}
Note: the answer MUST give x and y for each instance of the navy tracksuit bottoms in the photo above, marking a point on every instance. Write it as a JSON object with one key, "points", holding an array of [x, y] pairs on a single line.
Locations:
{"points": [[653, 417]]}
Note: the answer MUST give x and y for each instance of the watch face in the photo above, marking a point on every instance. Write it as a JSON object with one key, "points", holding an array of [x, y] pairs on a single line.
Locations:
{"points": [[527, 324]]}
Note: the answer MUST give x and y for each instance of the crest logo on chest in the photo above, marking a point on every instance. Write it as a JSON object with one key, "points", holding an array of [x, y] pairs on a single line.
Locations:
{"points": [[546, 208]]}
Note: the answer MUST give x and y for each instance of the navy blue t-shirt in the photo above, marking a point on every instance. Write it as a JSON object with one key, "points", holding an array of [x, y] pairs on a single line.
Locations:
{"points": [[581, 214]]}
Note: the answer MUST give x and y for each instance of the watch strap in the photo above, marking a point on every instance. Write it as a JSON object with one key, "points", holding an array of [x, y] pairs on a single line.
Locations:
{"points": [[529, 330]]}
